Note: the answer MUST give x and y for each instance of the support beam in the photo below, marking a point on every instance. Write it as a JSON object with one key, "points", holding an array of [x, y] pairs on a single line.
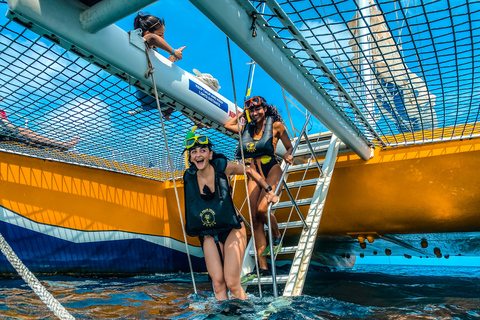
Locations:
{"points": [[107, 12], [233, 18]]}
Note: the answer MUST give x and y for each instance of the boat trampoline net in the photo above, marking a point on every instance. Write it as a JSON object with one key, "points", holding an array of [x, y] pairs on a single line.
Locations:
{"points": [[402, 71], [59, 96]]}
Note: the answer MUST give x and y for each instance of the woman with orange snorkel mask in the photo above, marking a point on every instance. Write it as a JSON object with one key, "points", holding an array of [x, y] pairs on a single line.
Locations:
{"points": [[260, 137], [211, 216]]}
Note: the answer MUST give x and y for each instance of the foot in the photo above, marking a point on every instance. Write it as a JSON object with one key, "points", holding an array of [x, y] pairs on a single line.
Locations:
{"points": [[252, 275], [70, 144], [136, 111], [277, 245], [201, 125]]}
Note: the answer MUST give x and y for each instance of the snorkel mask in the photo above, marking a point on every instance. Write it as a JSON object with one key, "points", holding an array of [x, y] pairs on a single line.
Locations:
{"points": [[196, 140], [252, 102], [192, 140]]}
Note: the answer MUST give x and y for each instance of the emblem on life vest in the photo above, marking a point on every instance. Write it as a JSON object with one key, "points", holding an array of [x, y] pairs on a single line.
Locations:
{"points": [[251, 147], [208, 217]]}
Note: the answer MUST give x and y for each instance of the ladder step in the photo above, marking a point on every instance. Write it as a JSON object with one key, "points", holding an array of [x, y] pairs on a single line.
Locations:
{"points": [[284, 250], [289, 225], [318, 147], [315, 137], [288, 204], [269, 280], [302, 183], [304, 166]]}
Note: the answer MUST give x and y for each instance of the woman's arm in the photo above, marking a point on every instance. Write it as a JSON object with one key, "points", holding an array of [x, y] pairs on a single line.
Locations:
{"points": [[238, 169], [281, 132], [231, 124], [155, 41]]}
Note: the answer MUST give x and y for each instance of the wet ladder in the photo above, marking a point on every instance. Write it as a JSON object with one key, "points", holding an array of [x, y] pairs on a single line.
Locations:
{"points": [[295, 280]]}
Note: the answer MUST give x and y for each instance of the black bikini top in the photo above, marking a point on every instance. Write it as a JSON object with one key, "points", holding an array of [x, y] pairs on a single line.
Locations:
{"points": [[207, 193]]}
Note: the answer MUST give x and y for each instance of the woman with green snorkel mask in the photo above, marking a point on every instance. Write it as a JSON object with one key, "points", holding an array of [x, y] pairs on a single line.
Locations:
{"points": [[260, 137], [210, 214]]}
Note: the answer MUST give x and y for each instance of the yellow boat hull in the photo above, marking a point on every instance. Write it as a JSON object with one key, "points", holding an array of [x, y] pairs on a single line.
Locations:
{"points": [[399, 198]]}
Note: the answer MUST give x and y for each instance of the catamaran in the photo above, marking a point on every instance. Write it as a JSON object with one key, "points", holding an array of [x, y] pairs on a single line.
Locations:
{"points": [[395, 175]]}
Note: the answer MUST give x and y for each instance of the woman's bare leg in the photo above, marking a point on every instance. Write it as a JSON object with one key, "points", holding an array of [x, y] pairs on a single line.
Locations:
{"points": [[234, 251], [262, 206], [214, 267], [254, 192], [35, 138]]}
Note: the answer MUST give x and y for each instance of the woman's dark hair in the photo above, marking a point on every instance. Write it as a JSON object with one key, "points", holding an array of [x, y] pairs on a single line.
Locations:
{"points": [[147, 22], [209, 146], [270, 112]]}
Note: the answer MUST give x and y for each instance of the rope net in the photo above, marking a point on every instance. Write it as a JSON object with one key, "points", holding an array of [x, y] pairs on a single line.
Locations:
{"points": [[57, 96], [410, 67], [401, 72]]}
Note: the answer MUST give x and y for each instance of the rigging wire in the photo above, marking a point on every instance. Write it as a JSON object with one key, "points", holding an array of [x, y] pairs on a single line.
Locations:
{"points": [[252, 63], [288, 111], [243, 163], [149, 73]]}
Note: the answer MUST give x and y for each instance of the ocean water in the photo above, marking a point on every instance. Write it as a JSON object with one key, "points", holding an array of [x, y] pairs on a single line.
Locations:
{"points": [[366, 292]]}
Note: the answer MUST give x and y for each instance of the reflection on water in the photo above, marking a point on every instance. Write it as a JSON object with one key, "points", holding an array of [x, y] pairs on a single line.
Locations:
{"points": [[367, 292]]}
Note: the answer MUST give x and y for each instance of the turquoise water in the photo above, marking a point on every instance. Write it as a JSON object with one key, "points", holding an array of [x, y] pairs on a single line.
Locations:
{"points": [[366, 292]]}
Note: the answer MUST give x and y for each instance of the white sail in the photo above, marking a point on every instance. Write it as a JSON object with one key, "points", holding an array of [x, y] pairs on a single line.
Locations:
{"points": [[400, 94]]}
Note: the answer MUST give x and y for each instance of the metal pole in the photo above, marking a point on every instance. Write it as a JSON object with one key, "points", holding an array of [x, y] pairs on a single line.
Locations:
{"points": [[277, 189]]}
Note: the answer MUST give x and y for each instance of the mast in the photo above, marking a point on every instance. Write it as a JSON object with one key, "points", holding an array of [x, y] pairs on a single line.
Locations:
{"points": [[366, 73]]}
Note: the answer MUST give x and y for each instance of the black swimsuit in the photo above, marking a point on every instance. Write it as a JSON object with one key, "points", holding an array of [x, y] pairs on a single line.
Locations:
{"points": [[264, 168]]}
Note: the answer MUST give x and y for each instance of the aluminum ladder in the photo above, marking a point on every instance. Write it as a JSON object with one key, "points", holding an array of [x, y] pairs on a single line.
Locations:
{"points": [[295, 280]]}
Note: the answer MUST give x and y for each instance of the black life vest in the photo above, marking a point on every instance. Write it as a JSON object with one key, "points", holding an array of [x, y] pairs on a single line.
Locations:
{"points": [[262, 147], [209, 217]]}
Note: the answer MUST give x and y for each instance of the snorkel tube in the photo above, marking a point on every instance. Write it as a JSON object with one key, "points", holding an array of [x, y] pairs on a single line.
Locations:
{"points": [[247, 113]]}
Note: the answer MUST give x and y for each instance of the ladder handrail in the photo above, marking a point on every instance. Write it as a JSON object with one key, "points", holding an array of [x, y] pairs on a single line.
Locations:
{"points": [[305, 226], [305, 248], [313, 153], [277, 189]]}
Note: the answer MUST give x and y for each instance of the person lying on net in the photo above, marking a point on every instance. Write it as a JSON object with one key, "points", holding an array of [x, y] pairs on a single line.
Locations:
{"points": [[9, 131], [211, 215], [153, 31]]}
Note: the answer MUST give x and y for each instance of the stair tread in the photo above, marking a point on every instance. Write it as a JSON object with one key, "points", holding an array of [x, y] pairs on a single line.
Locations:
{"points": [[303, 166], [288, 204], [303, 183], [288, 225], [284, 250], [317, 146], [269, 279]]}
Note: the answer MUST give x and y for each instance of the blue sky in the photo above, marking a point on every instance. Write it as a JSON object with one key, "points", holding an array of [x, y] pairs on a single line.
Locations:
{"points": [[206, 50]]}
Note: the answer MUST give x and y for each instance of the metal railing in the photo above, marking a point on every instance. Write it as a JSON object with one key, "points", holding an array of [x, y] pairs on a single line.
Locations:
{"points": [[277, 190]]}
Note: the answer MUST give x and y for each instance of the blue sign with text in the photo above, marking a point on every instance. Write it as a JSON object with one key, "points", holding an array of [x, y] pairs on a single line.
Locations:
{"points": [[207, 95]]}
